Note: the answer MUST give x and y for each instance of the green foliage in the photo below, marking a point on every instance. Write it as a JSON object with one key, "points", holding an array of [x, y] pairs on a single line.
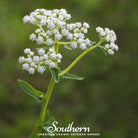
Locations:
{"points": [[27, 88], [71, 76], [54, 73]]}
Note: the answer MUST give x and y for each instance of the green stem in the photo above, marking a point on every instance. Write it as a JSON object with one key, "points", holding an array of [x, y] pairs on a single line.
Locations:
{"points": [[63, 43], [79, 57], [46, 100], [39, 125]]}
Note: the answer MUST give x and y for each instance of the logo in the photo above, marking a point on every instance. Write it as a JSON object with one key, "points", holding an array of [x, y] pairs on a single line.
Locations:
{"points": [[69, 130]]}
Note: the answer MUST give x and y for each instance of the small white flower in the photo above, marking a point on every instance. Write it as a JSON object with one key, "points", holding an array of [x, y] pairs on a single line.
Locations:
{"points": [[51, 25], [107, 38], [41, 51], [87, 41], [76, 35], [112, 45], [26, 19], [80, 40], [49, 41], [68, 16], [53, 56], [73, 45], [51, 50], [107, 30], [58, 36], [116, 48], [40, 40], [61, 17], [27, 50], [64, 32], [99, 29], [52, 64], [36, 59], [31, 70], [47, 62], [83, 46], [55, 31], [85, 31], [59, 61], [69, 27], [81, 35], [107, 46], [59, 56], [41, 69], [102, 33], [32, 64], [49, 32], [86, 25], [29, 59], [46, 56], [21, 59], [43, 22], [37, 30], [32, 37], [32, 20], [69, 36], [110, 51], [31, 53], [78, 24], [25, 66]]}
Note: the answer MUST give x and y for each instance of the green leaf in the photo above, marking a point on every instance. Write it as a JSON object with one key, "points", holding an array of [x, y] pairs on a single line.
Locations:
{"points": [[102, 49], [67, 47], [55, 72], [72, 76], [92, 43], [27, 88]]}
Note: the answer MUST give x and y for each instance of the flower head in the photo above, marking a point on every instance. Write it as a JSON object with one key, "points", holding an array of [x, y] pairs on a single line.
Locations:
{"points": [[38, 62], [110, 38]]}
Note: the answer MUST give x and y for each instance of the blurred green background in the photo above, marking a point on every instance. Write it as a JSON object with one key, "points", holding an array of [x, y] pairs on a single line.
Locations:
{"points": [[106, 100]]}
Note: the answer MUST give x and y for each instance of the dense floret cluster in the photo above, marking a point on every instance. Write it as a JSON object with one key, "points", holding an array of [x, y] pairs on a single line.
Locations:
{"points": [[53, 30], [110, 37], [39, 62], [57, 28]]}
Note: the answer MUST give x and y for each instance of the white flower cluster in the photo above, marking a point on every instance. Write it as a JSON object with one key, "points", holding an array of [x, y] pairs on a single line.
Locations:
{"points": [[57, 28], [39, 62], [110, 37]]}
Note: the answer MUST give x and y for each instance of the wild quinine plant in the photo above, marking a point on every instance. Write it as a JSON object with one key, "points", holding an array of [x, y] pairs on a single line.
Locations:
{"points": [[53, 32]]}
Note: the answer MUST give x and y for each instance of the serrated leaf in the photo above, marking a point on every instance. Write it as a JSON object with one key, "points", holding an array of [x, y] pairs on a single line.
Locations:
{"points": [[55, 72], [67, 47], [27, 88], [71, 76]]}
